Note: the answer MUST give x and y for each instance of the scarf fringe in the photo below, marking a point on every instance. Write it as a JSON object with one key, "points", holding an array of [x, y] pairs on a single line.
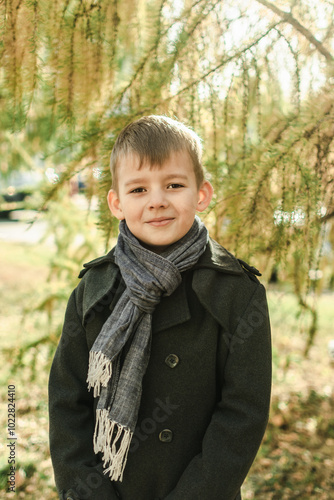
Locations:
{"points": [[113, 441], [99, 371]]}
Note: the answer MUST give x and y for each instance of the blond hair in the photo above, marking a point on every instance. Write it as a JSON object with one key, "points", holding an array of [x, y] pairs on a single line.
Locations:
{"points": [[153, 138]]}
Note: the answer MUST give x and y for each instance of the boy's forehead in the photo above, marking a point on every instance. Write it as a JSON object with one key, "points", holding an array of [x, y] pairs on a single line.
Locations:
{"points": [[131, 163]]}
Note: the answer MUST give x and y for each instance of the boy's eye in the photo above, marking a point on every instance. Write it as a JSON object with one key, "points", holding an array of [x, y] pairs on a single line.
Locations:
{"points": [[137, 190], [175, 186]]}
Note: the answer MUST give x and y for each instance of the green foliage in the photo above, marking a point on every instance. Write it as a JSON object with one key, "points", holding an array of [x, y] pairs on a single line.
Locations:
{"points": [[72, 239], [254, 79]]}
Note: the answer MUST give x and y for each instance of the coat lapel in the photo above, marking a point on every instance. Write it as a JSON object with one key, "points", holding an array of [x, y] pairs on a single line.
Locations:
{"points": [[207, 283], [209, 279], [102, 285], [172, 310]]}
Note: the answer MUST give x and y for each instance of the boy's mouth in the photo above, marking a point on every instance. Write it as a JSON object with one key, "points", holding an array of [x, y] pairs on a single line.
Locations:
{"points": [[160, 221]]}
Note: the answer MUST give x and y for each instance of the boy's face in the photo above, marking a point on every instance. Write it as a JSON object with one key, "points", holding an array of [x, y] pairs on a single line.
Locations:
{"points": [[158, 203]]}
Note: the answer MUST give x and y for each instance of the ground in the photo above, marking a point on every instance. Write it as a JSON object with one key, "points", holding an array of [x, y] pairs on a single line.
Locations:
{"points": [[296, 459]]}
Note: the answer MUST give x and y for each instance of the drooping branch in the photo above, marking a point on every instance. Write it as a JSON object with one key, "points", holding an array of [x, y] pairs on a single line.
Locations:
{"points": [[288, 18], [224, 62]]}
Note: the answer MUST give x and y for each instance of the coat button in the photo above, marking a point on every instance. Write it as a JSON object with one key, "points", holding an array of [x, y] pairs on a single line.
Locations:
{"points": [[172, 360], [166, 436]]}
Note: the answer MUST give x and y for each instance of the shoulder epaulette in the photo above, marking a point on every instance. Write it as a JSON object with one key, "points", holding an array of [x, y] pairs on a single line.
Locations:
{"points": [[249, 268]]}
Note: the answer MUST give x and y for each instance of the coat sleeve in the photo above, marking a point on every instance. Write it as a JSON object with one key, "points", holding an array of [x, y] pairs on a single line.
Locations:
{"points": [[234, 434], [78, 472]]}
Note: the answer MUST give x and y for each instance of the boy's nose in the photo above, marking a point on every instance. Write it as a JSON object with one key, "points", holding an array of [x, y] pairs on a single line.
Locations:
{"points": [[158, 200]]}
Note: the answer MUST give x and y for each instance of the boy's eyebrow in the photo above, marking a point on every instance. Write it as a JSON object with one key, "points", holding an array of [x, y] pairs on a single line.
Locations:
{"points": [[167, 177], [134, 181], [177, 176]]}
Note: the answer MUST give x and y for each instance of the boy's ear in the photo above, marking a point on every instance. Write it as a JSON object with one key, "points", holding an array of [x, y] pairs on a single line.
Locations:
{"points": [[115, 204], [205, 194]]}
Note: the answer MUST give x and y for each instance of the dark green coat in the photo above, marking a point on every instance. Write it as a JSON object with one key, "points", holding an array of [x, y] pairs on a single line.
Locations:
{"points": [[206, 391]]}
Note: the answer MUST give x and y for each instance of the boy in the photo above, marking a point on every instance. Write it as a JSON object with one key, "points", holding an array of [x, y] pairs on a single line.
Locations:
{"points": [[171, 334]]}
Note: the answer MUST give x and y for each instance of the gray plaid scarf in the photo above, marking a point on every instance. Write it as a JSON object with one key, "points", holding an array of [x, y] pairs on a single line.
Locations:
{"points": [[148, 276]]}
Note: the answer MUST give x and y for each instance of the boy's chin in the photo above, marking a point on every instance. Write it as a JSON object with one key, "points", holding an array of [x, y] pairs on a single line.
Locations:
{"points": [[154, 248], [158, 246]]}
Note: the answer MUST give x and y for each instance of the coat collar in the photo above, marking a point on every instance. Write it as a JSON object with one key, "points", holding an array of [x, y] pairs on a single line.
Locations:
{"points": [[103, 281], [219, 259]]}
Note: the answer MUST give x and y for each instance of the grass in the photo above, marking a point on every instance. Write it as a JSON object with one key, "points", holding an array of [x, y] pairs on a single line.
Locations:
{"points": [[296, 458], [23, 271]]}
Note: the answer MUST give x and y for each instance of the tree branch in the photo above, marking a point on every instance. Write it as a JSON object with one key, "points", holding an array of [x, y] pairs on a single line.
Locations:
{"points": [[288, 18]]}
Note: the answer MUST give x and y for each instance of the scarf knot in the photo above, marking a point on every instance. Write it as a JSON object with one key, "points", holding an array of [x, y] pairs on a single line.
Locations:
{"points": [[148, 280], [126, 335]]}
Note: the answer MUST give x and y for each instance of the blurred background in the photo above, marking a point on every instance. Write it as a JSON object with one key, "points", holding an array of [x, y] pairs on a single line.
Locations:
{"points": [[255, 79]]}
